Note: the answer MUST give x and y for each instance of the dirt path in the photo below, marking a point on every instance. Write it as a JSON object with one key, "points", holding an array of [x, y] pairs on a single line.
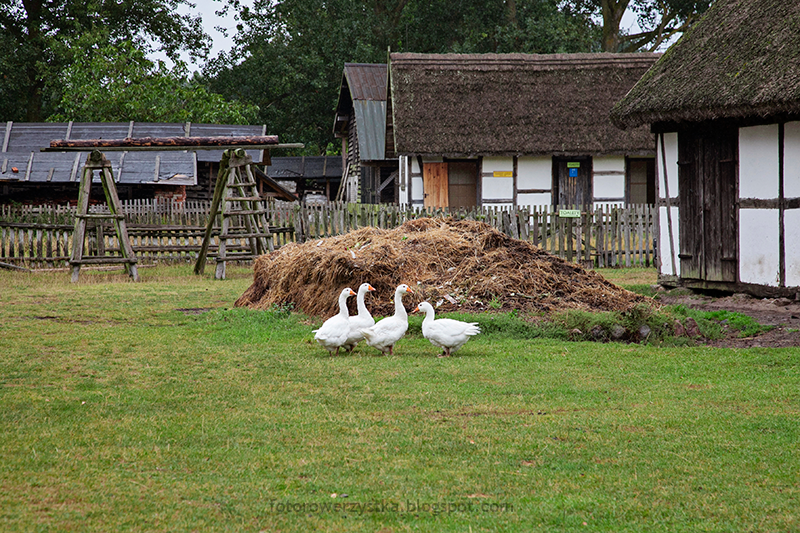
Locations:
{"points": [[782, 313]]}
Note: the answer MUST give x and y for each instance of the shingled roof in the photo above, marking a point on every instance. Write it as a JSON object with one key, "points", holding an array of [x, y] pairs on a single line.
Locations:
{"points": [[742, 60], [22, 143], [513, 104]]}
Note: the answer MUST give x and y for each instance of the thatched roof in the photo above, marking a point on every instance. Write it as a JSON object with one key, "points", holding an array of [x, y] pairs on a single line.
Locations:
{"points": [[742, 60], [513, 104]]}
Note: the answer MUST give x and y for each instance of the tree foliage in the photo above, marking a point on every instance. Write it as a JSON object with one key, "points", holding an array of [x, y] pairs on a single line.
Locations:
{"points": [[659, 20], [290, 54], [116, 82], [39, 33]]}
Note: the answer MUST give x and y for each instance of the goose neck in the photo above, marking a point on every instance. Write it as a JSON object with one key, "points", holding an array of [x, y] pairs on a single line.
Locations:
{"points": [[343, 306], [399, 309]]}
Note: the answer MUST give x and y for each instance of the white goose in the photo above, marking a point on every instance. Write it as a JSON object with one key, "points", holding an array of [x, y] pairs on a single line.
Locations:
{"points": [[446, 333], [361, 321], [388, 331], [333, 332]]}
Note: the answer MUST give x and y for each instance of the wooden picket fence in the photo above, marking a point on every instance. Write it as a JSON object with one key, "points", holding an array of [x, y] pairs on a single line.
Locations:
{"points": [[607, 236], [41, 236]]}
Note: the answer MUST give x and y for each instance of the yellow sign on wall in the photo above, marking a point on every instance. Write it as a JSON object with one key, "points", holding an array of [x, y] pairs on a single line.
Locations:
{"points": [[503, 174]]}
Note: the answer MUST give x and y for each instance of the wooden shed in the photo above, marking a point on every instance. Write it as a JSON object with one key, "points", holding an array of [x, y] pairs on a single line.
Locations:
{"points": [[42, 177], [724, 102], [311, 178], [360, 123], [516, 129]]}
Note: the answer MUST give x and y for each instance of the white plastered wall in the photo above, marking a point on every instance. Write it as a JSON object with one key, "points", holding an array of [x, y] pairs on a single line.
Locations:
{"points": [[608, 177], [404, 175], [494, 187], [759, 246], [668, 248], [791, 189], [415, 179], [534, 173]]}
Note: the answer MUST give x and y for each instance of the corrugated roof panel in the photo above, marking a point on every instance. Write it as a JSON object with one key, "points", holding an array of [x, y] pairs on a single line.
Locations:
{"points": [[140, 167], [97, 130], [366, 81], [175, 167], [158, 129], [27, 137], [53, 167], [308, 167], [371, 120], [41, 166]]}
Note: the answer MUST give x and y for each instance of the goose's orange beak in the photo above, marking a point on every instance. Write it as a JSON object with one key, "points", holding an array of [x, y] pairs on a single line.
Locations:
{"points": [[416, 309], [352, 292], [370, 288]]}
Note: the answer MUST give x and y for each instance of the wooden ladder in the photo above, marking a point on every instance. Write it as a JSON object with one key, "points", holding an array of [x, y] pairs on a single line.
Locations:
{"points": [[237, 200], [97, 161]]}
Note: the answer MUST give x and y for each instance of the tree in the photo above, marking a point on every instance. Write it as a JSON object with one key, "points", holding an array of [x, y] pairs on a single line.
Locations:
{"points": [[39, 32], [116, 82], [290, 53], [660, 20]]}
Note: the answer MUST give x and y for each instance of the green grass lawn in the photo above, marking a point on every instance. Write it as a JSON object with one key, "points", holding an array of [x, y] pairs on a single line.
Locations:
{"points": [[126, 407]]}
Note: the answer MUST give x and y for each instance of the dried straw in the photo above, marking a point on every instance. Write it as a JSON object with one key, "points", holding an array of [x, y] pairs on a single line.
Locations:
{"points": [[457, 265]]}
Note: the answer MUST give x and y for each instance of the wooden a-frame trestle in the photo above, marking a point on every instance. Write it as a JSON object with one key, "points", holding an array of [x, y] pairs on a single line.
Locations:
{"points": [[97, 161], [242, 212]]}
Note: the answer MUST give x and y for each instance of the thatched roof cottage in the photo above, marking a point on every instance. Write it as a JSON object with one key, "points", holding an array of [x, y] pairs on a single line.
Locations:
{"points": [[516, 129], [725, 104]]}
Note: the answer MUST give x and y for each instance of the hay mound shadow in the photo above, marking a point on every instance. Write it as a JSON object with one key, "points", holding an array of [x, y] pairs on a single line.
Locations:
{"points": [[458, 265]]}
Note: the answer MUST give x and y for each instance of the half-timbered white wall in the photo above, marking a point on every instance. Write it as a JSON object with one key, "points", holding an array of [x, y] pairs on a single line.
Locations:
{"points": [[759, 246], [791, 189], [497, 181], [533, 181], [608, 175], [534, 174], [667, 186], [411, 190], [759, 186], [759, 176]]}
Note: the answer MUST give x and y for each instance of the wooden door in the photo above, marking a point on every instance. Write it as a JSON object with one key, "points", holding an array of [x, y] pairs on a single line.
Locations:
{"points": [[720, 213], [573, 180], [462, 183], [708, 189], [434, 178]]}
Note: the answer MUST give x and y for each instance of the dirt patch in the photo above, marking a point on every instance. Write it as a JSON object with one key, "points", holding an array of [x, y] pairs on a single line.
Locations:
{"points": [[193, 310], [782, 313], [456, 265]]}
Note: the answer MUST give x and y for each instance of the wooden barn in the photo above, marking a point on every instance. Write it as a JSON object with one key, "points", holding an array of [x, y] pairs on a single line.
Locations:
{"points": [[28, 175], [360, 123], [724, 102], [516, 129]]}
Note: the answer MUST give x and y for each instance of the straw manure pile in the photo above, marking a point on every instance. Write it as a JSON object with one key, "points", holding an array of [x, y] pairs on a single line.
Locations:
{"points": [[457, 265]]}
